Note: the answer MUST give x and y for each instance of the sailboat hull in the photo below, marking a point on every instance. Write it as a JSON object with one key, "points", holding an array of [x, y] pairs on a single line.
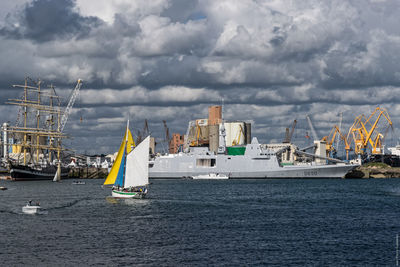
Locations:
{"points": [[121, 194]]}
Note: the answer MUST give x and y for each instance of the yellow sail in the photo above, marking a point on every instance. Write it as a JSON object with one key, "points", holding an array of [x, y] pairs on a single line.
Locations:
{"points": [[131, 143], [112, 176]]}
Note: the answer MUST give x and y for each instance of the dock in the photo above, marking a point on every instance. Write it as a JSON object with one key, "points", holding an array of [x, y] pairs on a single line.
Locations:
{"points": [[374, 170]]}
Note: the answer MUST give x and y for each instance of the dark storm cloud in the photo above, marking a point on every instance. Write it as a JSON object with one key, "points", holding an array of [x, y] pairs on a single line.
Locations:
{"points": [[45, 20], [183, 10]]}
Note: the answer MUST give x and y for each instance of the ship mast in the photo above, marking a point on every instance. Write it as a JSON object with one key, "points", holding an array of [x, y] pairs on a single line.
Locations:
{"points": [[32, 133]]}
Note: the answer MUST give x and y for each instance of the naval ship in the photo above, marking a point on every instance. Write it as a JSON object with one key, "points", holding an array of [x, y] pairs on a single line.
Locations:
{"points": [[256, 162]]}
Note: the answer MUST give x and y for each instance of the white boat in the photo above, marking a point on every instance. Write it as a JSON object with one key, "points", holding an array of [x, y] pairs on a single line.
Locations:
{"points": [[211, 176], [78, 182], [129, 174], [31, 208], [3, 188]]}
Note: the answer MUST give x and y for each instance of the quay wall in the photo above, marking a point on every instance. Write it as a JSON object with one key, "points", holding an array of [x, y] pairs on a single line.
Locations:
{"points": [[376, 170]]}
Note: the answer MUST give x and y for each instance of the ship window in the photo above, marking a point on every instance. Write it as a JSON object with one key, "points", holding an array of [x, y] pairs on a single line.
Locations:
{"points": [[205, 162]]}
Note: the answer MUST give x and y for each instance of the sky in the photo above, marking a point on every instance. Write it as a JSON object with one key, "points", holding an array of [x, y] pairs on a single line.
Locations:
{"points": [[270, 61]]}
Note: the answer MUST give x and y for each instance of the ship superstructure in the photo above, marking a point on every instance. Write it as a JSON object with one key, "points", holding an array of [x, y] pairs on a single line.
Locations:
{"points": [[208, 150]]}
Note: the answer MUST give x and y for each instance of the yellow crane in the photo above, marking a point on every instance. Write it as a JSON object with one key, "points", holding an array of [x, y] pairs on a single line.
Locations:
{"points": [[236, 141], [197, 135], [330, 139], [363, 136]]}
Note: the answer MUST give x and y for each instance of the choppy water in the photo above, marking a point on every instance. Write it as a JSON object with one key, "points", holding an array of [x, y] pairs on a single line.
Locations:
{"points": [[186, 222]]}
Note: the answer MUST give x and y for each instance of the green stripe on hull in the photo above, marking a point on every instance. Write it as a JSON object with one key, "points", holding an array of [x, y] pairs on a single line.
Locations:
{"points": [[126, 193]]}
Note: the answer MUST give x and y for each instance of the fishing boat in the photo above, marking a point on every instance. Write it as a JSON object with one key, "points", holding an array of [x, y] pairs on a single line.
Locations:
{"points": [[129, 175], [30, 208]]}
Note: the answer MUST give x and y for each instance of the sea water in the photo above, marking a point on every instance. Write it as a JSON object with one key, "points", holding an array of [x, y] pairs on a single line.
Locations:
{"points": [[317, 222]]}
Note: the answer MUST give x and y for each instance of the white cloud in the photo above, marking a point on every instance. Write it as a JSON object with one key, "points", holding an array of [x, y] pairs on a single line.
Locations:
{"points": [[271, 60], [141, 95]]}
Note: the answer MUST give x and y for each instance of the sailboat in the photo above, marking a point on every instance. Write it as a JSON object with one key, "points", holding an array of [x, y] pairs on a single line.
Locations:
{"points": [[129, 174]]}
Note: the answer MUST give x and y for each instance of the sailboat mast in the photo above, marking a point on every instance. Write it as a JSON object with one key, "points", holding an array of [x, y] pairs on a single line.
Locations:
{"points": [[125, 150], [31, 134]]}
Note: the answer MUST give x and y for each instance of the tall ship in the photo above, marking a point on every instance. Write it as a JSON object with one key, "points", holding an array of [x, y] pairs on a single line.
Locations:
{"points": [[211, 150], [33, 147]]}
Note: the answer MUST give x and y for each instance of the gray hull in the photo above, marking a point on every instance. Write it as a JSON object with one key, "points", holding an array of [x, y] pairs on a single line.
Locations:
{"points": [[255, 163]]}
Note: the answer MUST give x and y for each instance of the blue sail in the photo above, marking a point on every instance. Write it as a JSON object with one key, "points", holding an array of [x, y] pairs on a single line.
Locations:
{"points": [[120, 176]]}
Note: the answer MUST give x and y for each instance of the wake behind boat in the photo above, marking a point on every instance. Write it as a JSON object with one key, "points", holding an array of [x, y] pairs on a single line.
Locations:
{"points": [[129, 174]]}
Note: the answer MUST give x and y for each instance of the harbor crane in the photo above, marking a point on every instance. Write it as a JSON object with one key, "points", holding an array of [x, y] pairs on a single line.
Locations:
{"points": [[313, 132], [363, 136], [144, 133], [197, 136], [330, 139], [71, 102], [186, 137], [340, 127], [63, 122], [167, 138], [236, 141], [288, 135]]}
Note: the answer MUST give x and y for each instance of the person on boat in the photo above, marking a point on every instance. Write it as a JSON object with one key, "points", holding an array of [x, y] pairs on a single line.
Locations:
{"points": [[30, 203]]}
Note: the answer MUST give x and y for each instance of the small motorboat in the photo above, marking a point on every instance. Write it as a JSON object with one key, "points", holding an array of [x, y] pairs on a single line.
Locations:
{"points": [[3, 188], [30, 208], [78, 182]]}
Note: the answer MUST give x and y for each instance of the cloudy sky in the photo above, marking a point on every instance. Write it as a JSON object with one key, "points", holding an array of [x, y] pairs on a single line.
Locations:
{"points": [[271, 61]]}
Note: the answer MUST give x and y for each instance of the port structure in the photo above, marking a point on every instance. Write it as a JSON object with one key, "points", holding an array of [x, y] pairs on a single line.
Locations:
{"points": [[288, 135], [364, 132], [236, 141], [313, 132], [330, 139], [196, 142], [71, 102], [144, 133]]}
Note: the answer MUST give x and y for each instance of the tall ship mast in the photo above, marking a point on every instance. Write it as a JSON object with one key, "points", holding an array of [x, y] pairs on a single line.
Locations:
{"points": [[36, 139]]}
